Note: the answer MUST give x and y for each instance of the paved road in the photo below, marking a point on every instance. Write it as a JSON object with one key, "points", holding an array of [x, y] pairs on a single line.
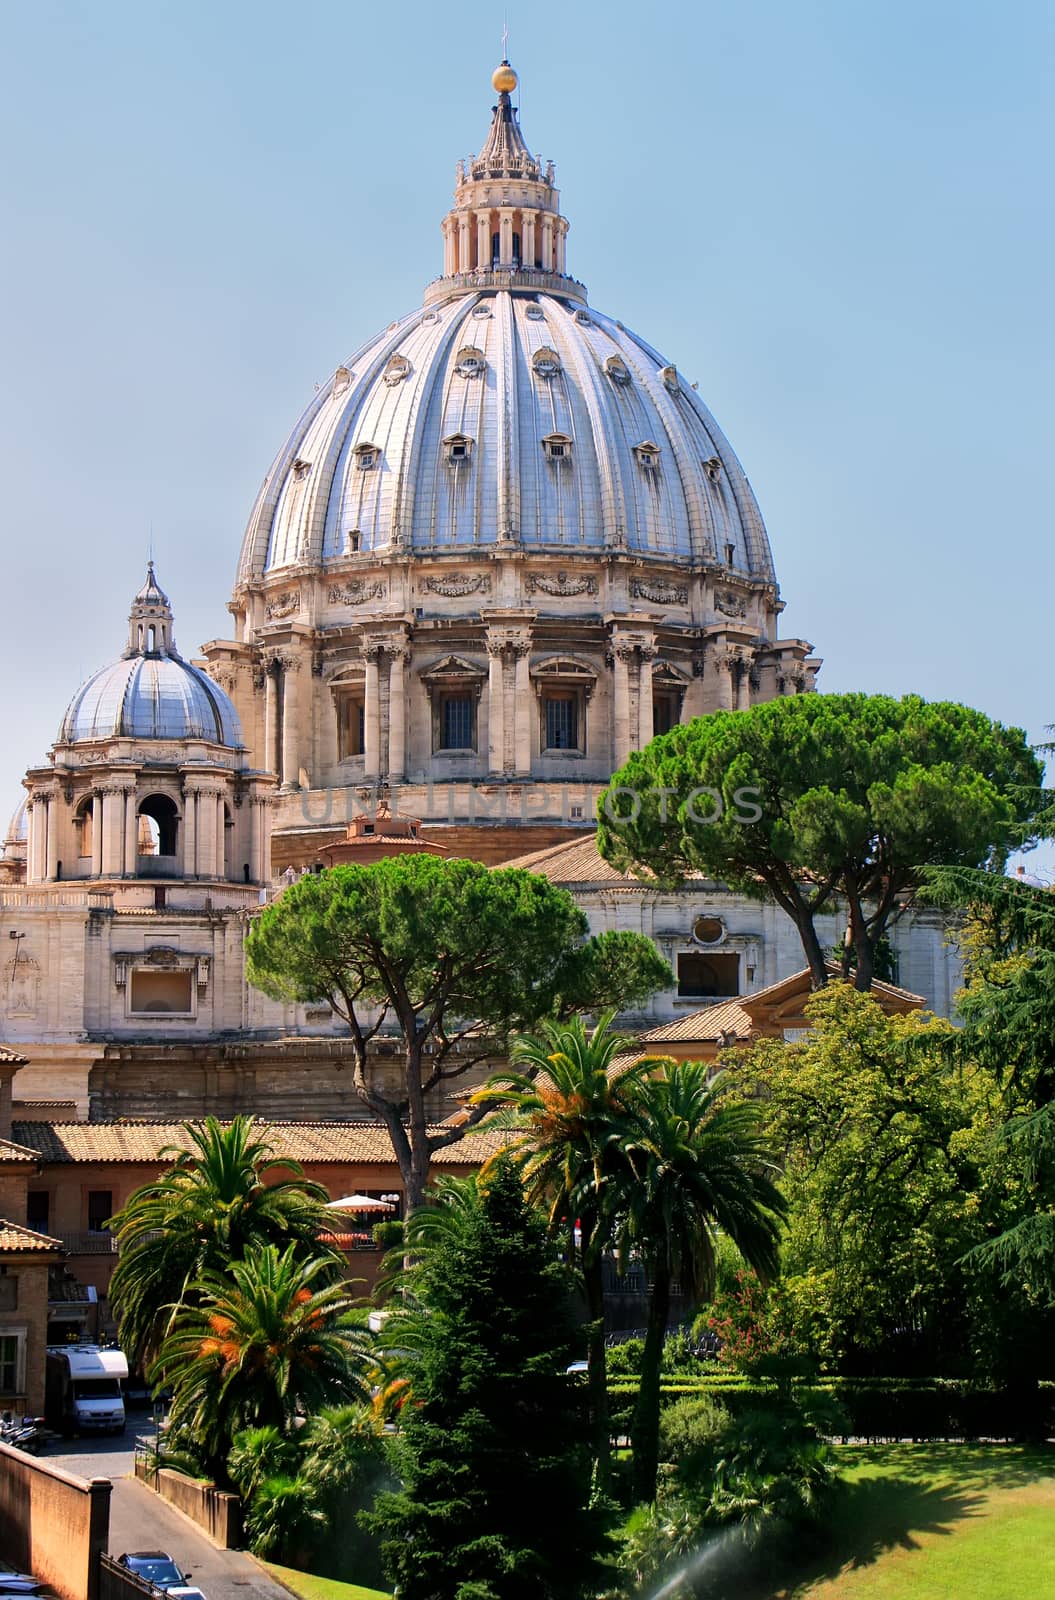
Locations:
{"points": [[141, 1520]]}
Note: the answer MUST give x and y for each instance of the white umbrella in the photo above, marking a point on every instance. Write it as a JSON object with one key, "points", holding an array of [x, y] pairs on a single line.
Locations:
{"points": [[358, 1202]]}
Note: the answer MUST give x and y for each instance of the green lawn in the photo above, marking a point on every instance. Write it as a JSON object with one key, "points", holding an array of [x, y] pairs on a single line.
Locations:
{"points": [[939, 1522], [310, 1588]]}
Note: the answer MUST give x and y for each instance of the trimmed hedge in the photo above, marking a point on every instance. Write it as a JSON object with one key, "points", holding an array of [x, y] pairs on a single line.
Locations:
{"points": [[882, 1408]]}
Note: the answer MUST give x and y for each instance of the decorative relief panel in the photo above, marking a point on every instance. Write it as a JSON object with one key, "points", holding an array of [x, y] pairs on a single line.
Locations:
{"points": [[23, 986], [397, 369], [355, 592], [560, 584], [659, 592], [459, 584], [730, 604], [283, 605]]}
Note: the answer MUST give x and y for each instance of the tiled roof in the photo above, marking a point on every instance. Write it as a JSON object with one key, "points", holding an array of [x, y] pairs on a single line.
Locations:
{"points": [[300, 1141], [12, 1056], [12, 1237], [707, 1024], [578, 861], [16, 1152]]}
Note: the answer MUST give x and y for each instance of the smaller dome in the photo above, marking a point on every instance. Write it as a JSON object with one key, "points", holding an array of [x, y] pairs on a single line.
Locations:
{"points": [[151, 692], [151, 697], [17, 832]]}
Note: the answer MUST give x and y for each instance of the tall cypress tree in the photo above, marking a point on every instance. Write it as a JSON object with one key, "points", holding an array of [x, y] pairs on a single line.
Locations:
{"points": [[494, 1438]]}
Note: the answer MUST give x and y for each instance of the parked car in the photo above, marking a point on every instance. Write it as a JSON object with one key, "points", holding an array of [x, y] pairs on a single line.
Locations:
{"points": [[12, 1583], [182, 1592], [155, 1567]]}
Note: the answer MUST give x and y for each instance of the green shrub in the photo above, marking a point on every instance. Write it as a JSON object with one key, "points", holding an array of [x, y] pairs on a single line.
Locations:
{"points": [[388, 1235], [689, 1431], [624, 1360]]}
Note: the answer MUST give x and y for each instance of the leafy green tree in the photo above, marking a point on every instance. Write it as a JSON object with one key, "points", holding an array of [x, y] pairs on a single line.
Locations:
{"points": [[271, 1341], [822, 801], [460, 956], [495, 1462], [885, 1141], [566, 1109], [700, 1168], [219, 1198], [1008, 1012]]}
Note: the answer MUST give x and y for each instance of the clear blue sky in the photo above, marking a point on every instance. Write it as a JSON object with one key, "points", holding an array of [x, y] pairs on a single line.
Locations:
{"points": [[835, 217]]}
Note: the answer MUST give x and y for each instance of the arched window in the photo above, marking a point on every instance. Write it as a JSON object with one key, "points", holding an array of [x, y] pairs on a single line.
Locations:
{"points": [[83, 821], [158, 826]]}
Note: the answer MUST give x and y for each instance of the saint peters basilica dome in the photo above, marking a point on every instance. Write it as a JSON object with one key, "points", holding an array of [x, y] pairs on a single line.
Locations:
{"points": [[503, 546]]}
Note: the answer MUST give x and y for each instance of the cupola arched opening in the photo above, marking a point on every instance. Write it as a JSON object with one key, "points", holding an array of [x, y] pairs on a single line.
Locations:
{"points": [[158, 826]]}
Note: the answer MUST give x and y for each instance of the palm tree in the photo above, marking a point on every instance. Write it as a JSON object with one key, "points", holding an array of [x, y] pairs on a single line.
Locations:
{"points": [[699, 1169], [270, 1341], [568, 1109], [218, 1199]]}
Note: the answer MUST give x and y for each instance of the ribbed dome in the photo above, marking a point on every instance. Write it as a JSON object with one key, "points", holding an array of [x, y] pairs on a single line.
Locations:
{"points": [[17, 830], [161, 697], [439, 434], [151, 692]]}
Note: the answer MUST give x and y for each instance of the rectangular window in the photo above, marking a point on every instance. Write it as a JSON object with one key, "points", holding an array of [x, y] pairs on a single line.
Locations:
{"points": [[11, 1347], [159, 993], [561, 712], [351, 726], [38, 1210], [456, 723], [703, 977], [665, 710], [9, 1292], [100, 1209]]}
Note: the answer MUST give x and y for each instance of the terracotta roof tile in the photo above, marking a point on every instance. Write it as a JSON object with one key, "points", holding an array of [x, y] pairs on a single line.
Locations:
{"points": [[578, 861], [707, 1024], [9, 1151], [342, 1142], [13, 1237]]}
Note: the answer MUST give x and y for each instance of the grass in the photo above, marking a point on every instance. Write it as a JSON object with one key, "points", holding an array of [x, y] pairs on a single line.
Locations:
{"points": [[312, 1588], [933, 1522]]}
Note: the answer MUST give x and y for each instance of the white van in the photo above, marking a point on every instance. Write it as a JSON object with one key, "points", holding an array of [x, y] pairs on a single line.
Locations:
{"points": [[83, 1389]]}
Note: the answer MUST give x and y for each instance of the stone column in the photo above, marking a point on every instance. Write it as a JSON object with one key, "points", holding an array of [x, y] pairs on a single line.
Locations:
{"points": [[97, 835], [290, 753], [743, 697], [448, 247], [648, 654], [372, 718], [523, 704], [505, 237], [622, 655], [190, 833], [726, 666], [271, 717], [547, 243], [51, 813], [527, 244], [483, 240], [113, 831], [465, 255], [221, 838], [206, 834], [131, 834], [560, 246], [397, 716], [258, 866], [496, 708]]}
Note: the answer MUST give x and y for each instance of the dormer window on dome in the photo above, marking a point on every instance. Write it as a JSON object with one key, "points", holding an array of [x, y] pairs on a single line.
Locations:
{"points": [[470, 362], [366, 457], [545, 362], [457, 449], [397, 369], [647, 455], [617, 369], [556, 447]]}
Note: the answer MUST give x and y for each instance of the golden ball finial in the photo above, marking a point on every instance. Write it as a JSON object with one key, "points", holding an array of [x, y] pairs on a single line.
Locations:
{"points": [[504, 78]]}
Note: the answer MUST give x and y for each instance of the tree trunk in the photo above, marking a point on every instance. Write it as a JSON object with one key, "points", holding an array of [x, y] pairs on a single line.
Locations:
{"points": [[644, 1435], [597, 1366], [812, 950], [864, 947]]}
